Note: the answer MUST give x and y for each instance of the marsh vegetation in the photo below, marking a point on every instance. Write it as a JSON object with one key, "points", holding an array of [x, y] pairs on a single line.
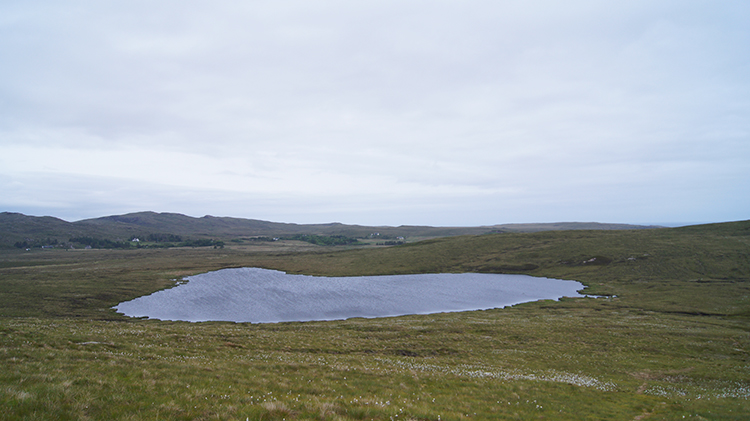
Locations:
{"points": [[671, 339]]}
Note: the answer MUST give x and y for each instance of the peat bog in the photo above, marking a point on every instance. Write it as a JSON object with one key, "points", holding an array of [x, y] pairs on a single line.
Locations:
{"points": [[670, 340]]}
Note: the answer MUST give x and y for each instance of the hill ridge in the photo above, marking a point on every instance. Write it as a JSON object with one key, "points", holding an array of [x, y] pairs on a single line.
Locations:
{"points": [[17, 227]]}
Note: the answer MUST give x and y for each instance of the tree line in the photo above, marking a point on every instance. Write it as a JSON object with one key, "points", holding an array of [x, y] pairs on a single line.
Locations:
{"points": [[322, 240]]}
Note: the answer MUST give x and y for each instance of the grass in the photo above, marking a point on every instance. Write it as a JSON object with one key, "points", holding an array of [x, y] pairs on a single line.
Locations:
{"points": [[671, 340]]}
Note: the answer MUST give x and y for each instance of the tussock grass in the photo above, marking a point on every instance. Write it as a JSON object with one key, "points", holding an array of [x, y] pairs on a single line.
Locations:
{"points": [[672, 338]]}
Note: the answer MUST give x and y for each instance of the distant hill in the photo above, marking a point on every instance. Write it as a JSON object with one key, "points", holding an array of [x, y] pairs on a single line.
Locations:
{"points": [[18, 228], [15, 227]]}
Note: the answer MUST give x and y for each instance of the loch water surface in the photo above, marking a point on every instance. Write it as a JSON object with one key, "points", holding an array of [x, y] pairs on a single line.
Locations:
{"points": [[267, 296]]}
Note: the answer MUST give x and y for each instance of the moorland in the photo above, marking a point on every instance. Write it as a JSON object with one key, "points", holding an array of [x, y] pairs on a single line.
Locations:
{"points": [[669, 338]]}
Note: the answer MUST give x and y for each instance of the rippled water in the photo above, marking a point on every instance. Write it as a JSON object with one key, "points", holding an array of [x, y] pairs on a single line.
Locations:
{"points": [[267, 296]]}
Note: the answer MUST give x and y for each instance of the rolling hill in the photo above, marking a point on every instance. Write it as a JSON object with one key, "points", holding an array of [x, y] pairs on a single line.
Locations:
{"points": [[16, 227]]}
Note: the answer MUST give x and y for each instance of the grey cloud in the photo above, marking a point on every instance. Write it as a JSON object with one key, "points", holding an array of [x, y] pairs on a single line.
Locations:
{"points": [[499, 104]]}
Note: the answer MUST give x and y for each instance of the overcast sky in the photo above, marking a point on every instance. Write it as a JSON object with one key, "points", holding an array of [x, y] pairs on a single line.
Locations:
{"points": [[377, 112]]}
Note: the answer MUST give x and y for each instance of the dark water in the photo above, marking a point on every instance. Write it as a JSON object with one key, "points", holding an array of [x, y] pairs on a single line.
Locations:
{"points": [[267, 296]]}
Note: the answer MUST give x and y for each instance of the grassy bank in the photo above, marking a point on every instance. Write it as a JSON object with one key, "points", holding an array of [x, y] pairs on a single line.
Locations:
{"points": [[672, 340]]}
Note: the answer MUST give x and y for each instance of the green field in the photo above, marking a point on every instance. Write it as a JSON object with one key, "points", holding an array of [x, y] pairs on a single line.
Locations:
{"points": [[670, 339]]}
